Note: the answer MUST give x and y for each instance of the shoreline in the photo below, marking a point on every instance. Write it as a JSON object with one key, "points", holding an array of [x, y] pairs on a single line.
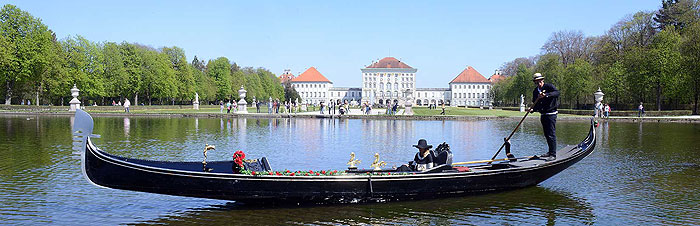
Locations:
{"points": [[678, 119]]}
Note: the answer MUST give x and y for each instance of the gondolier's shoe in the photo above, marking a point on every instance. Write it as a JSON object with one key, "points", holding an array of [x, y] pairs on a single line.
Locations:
{"points": [[548, 156]]}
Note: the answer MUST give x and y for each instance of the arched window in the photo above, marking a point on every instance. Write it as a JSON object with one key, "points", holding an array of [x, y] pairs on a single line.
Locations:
{"points": [[381, 86]]}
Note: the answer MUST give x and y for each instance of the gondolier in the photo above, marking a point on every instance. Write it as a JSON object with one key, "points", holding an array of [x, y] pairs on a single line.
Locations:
{"points": [[547, 107]]}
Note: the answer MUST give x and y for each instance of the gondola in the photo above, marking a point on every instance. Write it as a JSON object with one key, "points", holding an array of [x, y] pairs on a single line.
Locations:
{"points": [[217, 180]]}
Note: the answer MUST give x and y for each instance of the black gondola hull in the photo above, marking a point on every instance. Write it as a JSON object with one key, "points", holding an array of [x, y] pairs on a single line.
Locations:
{"points": [[188, 179]]}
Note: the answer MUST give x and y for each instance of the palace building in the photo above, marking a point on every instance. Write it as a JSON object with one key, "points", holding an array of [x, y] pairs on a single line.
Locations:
{"points": [[391, 81]]}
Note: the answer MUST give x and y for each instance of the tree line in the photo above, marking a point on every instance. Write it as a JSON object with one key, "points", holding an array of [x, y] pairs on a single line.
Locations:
{"points": [[649, 56], [35, 65]]}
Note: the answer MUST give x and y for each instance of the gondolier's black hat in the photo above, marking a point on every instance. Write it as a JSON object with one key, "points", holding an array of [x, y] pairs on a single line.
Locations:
{"points": [[423, 144]]}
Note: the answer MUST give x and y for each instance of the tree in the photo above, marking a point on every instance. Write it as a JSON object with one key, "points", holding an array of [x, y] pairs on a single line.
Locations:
{"points": [[85, 65], [132, 83], [199, 65], [185, 79], [690, 48], [569, 45], [677, 14], [510, 68], [290, 93], [615, 82], [219, 70], [115, 73], [664, 61], [576, 82], [28, 42]]}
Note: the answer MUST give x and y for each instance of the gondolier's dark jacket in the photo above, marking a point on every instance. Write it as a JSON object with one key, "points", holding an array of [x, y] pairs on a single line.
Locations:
{"points": [[550, 102]]}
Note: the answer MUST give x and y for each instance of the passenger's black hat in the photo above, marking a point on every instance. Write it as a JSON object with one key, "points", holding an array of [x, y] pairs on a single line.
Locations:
{"points": [[423, 144]]}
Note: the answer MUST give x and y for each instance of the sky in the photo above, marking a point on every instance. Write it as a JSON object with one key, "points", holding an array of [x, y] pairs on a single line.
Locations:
{"points": [[439, 38]]}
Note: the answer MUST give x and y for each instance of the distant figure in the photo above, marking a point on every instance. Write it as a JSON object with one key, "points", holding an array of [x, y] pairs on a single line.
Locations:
{"points": [[641, 109], [443, 109], [119, 103], [221, 103], [395, 108], [257, 106], [228, 107], [606, 110], [548, 96], [127, 104], [114, 103]]}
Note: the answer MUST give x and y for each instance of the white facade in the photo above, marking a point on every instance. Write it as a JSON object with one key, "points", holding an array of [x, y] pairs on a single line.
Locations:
{"points": [[389, 80], [470, 94], [345, 94], [313, 92], [380, 85], [436, 96]]}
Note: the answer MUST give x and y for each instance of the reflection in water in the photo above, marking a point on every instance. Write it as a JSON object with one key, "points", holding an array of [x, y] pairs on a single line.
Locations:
{"points": [[127, 126], [530, 206]]}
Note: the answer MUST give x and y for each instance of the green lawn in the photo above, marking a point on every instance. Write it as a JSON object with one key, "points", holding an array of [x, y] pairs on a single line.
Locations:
{"points": [[424, 111]]}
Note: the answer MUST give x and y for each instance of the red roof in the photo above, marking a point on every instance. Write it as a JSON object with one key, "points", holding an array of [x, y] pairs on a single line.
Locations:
{"points": [[389, 62], [496, 77], [311, 75], [470, 75]]}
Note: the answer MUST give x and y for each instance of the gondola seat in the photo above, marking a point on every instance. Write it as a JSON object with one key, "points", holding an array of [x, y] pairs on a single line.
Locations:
{"points": [[258, 165]]}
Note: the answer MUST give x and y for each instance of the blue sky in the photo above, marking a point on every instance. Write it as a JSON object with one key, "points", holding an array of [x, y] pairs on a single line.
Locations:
{"points": [[439, 38]]}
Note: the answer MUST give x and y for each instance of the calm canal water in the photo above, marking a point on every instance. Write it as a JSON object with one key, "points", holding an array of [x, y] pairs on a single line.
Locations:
{"points": [[640, 173]]}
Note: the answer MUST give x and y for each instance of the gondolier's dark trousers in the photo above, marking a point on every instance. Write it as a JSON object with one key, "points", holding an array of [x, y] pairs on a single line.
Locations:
{"points": [[549, 126]]}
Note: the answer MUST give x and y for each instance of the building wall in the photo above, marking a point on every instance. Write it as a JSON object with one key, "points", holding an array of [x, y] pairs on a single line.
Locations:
{"points": [[313, 92], [345, 94], [380, 85], [470, 94]]}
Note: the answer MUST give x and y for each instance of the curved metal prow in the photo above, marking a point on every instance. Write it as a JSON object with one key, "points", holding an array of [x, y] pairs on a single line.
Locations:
{"points": [[81, 132], [82, 129]]}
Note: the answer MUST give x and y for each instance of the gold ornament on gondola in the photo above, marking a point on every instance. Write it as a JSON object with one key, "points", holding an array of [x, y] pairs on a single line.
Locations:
{"points": [[207, 147], [353, 161], [377, 164]]}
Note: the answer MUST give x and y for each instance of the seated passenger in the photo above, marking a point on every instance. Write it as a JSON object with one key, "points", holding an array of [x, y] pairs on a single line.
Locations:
{"points": [[424, 158]]}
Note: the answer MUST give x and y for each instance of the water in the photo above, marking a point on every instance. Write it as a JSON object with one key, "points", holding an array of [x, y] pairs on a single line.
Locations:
{"points": [[639, 174]]}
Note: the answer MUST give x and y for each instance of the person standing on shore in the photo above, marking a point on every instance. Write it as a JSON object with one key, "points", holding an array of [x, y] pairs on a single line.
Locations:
{"points": [[547, 104], [640, 109], [127, 104], [221, 103]]}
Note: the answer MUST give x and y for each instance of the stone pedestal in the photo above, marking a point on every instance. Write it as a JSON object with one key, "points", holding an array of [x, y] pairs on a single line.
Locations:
{"points": [[242, 104], [195, 103], [74, 103], [522, 103]]}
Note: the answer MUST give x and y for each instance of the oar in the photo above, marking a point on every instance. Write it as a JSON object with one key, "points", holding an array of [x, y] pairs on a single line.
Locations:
{"points": [[516, 128]]}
